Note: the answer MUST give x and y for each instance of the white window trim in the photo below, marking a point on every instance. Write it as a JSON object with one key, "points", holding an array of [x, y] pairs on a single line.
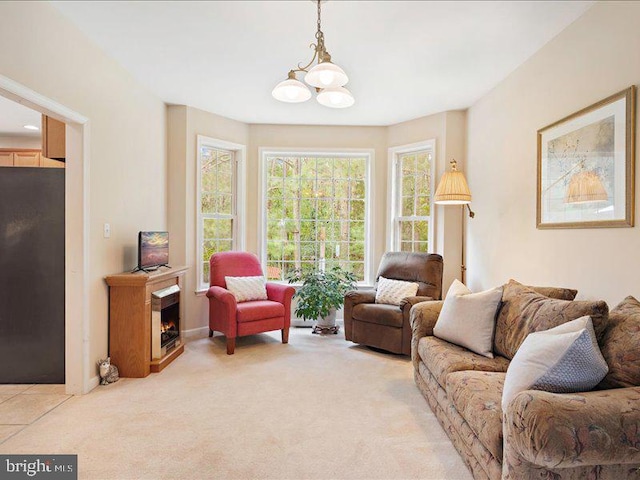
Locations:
{"points": [[368, 153], [392, 192], [240, 153]]}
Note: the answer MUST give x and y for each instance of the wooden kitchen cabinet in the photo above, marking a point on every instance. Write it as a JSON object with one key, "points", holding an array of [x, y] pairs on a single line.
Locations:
{"points": [[50, 163], [53, 138], [26, 159], [6, 159]]}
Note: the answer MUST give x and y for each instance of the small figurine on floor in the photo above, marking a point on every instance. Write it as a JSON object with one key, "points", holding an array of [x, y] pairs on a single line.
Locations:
{"points": [[108, 372]]}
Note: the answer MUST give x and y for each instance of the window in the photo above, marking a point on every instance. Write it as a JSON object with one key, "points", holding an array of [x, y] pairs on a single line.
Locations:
{"points": [[218, 206], [316, 212], [412, 173]]}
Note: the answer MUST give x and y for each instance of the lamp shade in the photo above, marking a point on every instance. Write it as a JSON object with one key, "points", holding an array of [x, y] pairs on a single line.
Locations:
{"points": [[338, 97], [586, 187], [326, 75], [291, 91], [453, 188]]}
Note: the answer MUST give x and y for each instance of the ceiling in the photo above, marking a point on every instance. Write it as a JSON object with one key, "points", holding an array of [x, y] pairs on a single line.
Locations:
{"points": [[13, 118], [405, 59]]}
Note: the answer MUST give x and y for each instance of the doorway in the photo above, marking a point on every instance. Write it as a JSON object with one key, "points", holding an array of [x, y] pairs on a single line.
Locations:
{"points": [[31, 246], [79, 375]]}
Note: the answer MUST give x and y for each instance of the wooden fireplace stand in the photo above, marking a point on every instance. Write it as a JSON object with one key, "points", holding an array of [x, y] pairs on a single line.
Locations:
{"points": [[130, 319]]}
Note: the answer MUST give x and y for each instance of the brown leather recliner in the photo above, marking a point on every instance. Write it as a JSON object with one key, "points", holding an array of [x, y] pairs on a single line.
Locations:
{"points": [[387, 326]]}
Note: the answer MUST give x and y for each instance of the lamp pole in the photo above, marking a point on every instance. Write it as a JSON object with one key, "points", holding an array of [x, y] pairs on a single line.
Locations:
{"points": [[463, 266]]}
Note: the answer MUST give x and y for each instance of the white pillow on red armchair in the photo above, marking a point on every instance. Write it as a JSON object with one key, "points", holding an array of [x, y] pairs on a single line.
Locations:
{"points": [[246, 289]]}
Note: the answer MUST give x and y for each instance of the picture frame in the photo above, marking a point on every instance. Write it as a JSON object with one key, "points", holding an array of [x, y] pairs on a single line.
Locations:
{"points": [[586, 166]]}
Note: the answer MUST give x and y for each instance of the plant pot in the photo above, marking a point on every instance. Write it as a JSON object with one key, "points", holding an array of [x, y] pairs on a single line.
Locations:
{"points": [[329, 321]]}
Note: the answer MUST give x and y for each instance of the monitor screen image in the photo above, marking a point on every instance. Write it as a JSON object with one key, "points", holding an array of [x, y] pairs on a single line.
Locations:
{"points": [[153, 249]]}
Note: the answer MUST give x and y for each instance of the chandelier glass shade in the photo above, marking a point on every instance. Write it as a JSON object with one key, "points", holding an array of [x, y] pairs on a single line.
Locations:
{"points": [[291, 91], [327, 78], [338, 97], [326, 75]]}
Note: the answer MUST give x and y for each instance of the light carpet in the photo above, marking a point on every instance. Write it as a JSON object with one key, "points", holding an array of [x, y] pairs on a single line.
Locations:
{"points": [[317, 408]]}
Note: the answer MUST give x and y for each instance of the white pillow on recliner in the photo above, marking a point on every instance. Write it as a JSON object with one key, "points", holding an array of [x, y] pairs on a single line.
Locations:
{"points": [[469, 319], [392, 292]]}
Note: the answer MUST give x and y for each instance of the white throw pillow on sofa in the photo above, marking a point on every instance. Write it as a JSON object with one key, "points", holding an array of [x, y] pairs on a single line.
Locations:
{"points": [[562, 359], [469, 319], [246, 289], [393, 292]]}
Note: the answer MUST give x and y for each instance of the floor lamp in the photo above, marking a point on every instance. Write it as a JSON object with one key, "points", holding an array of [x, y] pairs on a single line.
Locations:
{"points": [[453, 190]]}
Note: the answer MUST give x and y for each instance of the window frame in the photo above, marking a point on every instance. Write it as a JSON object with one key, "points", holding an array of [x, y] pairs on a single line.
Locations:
{"points": [[367, 153], [394, 192], [239, 186]]}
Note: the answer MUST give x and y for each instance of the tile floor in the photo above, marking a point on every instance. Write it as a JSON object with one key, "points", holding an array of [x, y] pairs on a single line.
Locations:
{"points": [[21, 405]]}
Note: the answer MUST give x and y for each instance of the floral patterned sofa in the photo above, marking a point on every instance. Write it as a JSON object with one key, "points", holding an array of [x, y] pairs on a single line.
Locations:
{"points": [[593, 435]]}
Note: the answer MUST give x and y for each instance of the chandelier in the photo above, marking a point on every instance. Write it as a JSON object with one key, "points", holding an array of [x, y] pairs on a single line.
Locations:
{"points": [[327, 78]]}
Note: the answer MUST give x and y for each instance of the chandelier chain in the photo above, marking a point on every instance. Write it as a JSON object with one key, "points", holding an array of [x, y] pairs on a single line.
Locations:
{"points": [[319, 35]]}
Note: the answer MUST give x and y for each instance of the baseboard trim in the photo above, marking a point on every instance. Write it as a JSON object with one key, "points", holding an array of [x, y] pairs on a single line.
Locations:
{"points": [[300, 323], [195, 332], [93, 383], [202, 331]]}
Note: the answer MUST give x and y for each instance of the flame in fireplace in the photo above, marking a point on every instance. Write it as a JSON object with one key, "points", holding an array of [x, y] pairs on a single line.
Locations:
{"points": [[168, 326]]}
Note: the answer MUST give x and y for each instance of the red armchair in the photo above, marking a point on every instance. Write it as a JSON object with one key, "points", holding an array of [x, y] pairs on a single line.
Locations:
{"points": [[246, 318]]}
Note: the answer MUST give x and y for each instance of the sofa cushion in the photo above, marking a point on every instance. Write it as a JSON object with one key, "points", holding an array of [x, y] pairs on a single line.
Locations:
{"points": [[443, 358], [558, 293], [563, 359], [379, 313], [258, 310], [524, 311], [621, 345], [476, 396], [469, 319]]}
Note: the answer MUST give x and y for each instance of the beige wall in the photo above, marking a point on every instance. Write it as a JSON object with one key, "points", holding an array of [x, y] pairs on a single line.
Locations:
{"points": [[127, 184], [184, 124], [8, 141], [448, 129], [593, 58], [131, 132]]}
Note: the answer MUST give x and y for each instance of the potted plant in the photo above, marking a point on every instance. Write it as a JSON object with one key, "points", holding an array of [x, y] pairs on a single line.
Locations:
{"points": [[321, 293]]}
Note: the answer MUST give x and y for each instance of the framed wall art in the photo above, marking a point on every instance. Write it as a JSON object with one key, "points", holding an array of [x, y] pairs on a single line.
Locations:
{"points": [[586, 166]]}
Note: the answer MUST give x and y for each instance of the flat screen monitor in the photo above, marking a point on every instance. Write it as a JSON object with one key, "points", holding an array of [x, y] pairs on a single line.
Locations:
{"points": [[153, 250]]}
